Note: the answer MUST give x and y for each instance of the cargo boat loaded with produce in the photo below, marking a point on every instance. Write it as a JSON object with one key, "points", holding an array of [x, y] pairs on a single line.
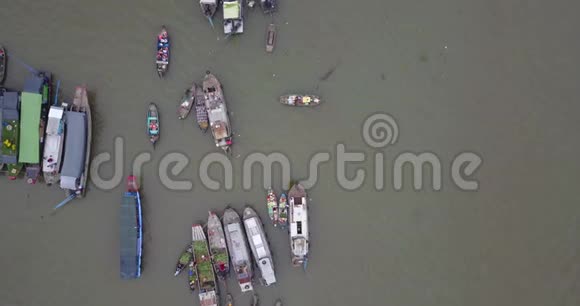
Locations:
{"points": [[10, 133], [217, 246], [206, 282]]}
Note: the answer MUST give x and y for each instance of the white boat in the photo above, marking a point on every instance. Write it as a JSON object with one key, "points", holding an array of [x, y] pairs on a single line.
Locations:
{"points": [[233, 16], [259, 245], [53, 145], [298, 218], [239, 251]]}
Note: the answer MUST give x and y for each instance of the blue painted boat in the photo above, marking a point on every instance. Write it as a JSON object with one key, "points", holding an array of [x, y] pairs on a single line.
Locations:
{"points": [[131, 231]]}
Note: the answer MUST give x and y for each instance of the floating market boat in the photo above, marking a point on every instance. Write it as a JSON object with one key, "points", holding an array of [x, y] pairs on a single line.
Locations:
{"points": [[3, 62], [192, 275], [272, 204], [131, 231], [53, 145], [259, 245], [184, 259], [162, 58], [233, 17], [229, 300], [299, 240], [78, 125], [208, 294], [33, 117], [269, 6], [283, 211], [238, 247], [215, 104], [187, 101], [217, 246], [300, 100], [153, 124], [10, 133], [208, 8], [200, 110], [270, 38]]}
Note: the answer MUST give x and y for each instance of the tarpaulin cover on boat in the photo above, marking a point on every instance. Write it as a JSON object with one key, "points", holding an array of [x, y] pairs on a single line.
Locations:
{"points": [[29, 128], [131, 236], [231, 10], [9, 104], [75, 147]]}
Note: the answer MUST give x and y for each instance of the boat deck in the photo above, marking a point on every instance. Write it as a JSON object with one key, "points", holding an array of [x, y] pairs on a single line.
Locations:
{"points": [[131, 236]]}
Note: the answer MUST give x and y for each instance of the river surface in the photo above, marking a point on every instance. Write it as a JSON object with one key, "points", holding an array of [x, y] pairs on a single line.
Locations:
{"points": [[497, 78]]}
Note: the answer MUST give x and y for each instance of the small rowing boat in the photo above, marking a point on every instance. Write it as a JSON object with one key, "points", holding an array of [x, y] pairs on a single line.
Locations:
{"points": [[272, 204], [229, 300], [270, 38], [208, 8], [187, 102], [153, 124], [162, 57], [300, 100], [184, 259]]}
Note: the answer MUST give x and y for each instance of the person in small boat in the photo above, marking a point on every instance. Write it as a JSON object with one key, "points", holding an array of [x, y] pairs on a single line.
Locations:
{"points": [[153, 126]]}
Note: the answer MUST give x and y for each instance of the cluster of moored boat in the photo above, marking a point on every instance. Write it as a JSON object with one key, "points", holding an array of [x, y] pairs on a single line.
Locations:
{"points": [[40, 137]]}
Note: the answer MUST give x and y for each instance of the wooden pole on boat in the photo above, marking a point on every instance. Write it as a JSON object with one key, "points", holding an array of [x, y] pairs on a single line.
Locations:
{"points": [[65, 201]]}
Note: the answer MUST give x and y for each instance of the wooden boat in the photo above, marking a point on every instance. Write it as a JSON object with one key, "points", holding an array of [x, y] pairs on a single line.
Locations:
{"points": [[33, 116], [272, 204], [239, 251], [233, 17], [229, 300], [218, 248], [131, 231], [153, 124], [10, 133], [299, 237], [184, 259], [217, 112], [269, 6], [200, 110], [187, 102], [283, 211], [208, 8], [192, 275], [162, 57], [3, 62], [78, 125], [270, 38], [53, 142], [259, 245], [255, 300], [208, 290], [300, 100]]}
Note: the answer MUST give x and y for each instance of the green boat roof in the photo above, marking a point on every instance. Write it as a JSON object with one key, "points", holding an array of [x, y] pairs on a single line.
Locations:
{"points": [[29, 128]]}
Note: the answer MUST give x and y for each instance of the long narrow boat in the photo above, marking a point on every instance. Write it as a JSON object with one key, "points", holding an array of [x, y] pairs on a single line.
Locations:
{"points": [[53, 145], [300, 100], [208, 8], [200, 110], [217, 246], [187, 101], [299, 238], [283, 211], [131, 231], [270, 38], [239, 252], [10, 133], [33, 117], [208, 294], [162, 57], [3, 62], [217, 112], [184, 259], [153, 124], [75, 167], [259, 245], [272, 204]]}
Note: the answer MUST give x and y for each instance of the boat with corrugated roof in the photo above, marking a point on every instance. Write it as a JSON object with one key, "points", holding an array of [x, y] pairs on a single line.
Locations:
{"points": [[238, 248], [217, 112], [299, 235], [259, 245], [131, 231]]}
